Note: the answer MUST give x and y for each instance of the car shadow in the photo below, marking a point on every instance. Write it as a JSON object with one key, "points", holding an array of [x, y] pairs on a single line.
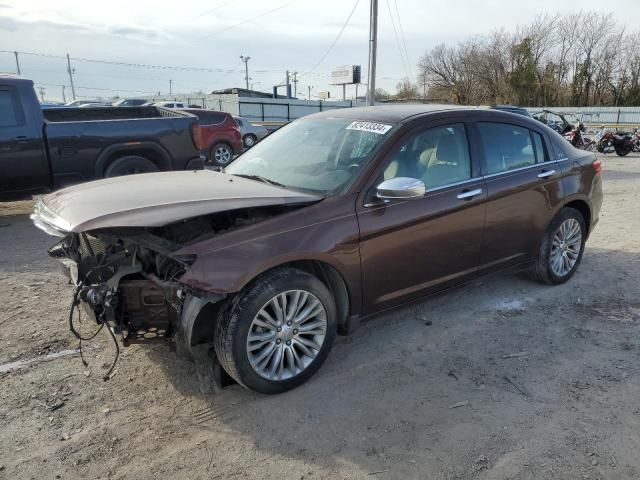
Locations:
{"points": [[437, 385]]}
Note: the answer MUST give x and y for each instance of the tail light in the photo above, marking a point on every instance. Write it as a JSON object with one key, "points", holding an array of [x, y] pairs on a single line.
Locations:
{"points": [[597, 166], [196, 135]]}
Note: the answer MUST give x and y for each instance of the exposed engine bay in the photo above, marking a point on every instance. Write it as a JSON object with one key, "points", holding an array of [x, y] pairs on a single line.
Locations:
{"points": [[129, 278]]}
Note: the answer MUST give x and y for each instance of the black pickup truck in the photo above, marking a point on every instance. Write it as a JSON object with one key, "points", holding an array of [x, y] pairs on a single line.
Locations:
{"points": [[48, 149]]}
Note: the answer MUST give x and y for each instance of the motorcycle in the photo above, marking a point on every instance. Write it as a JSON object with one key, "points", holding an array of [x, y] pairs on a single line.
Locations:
{"points": [[576, 138], [608, 142], [635, 140]]}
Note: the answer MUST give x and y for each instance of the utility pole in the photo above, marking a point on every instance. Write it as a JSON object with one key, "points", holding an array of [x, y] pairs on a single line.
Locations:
{"points": [[41, 94], [309, 87], [373, 45], [288, 85], [170, 87], [246, 69], [64, 97], [70, 71], [17, 62], [295, 84]]}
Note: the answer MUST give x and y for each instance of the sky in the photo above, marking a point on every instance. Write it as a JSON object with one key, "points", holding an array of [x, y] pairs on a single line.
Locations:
{"points": [[277, 35]]}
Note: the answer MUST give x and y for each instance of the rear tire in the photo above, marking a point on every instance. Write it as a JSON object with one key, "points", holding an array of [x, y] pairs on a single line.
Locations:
{"points": [[562, 248], [250, 140], [623, 151], [130, 165], [245, 338], [221, 154]]}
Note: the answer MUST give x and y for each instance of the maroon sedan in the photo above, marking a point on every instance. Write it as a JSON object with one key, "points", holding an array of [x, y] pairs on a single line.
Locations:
{"points": [[221, 139], [333, 218]]}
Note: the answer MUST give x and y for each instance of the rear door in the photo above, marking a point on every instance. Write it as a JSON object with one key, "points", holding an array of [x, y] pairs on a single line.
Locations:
{"points": [[23, 163], [409, 248], [524, 189]]}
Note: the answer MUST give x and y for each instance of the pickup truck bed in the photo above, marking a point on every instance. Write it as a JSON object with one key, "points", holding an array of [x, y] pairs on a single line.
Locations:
{"points": [[48, 149]]}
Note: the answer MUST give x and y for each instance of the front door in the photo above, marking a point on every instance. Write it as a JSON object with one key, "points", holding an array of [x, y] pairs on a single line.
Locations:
{"points": [[409, 248], [23, 164]]}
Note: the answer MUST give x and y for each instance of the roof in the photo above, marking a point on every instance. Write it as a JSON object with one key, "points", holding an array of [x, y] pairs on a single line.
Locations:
{"points": [[244, 92], [12, 77], [391, 113]]}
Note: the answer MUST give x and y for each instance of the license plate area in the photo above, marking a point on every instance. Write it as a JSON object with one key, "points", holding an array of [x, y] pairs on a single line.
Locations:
{"points": [[149, 312]]}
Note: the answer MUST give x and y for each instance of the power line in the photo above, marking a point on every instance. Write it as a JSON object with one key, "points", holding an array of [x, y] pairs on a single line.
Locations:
{"points": [[344, 26], [208, 12], [404, 42], [243, 22], [98, 89], [395, 33]]}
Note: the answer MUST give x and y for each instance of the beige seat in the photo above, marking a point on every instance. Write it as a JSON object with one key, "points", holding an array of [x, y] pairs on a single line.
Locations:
{"points": [[449, 164]]}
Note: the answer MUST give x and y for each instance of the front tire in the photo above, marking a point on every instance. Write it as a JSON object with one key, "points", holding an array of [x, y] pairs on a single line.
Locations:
{"points": [[277, 332], [562, 248]]}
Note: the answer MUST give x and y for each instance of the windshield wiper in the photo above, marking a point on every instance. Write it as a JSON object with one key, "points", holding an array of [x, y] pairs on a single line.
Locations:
{"points": [[261, 179]]}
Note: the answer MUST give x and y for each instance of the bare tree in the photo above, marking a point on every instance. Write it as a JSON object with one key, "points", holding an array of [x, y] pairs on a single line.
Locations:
{"points": [[579, 58]]}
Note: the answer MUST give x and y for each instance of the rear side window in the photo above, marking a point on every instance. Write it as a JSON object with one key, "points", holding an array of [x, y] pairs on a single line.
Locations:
{"points": [[211, 118], [541, 151], [506, 147], [239, 122], [8, 114]]}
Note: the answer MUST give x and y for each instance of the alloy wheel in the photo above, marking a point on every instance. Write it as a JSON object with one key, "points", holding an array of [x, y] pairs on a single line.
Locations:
{"points": [[222, 155], [565, 247], [286, 335]]}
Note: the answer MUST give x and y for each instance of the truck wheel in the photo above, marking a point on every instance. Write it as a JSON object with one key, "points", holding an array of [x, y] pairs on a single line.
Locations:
{"points": [[221, 154], [130, 165], [562, 248], [250, 140], [278, 332]]}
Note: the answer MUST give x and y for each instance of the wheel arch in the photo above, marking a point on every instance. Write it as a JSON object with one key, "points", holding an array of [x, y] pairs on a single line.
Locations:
{"points": [[584, 208], [199, 315], [149, 150]]}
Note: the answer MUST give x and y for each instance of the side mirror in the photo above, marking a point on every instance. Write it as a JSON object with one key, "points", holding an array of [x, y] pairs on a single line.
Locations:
{"points": [[401, 188]]}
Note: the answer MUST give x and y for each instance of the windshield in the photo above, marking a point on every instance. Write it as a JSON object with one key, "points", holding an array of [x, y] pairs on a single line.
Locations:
{"points": [[319, 154]]}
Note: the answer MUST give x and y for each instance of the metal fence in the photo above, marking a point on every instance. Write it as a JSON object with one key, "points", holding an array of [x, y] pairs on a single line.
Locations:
{"points": [[609, 116], [276, 110]]}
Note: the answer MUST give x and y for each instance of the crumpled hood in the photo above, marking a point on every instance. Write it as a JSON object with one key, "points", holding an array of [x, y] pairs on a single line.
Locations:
{"points": [[156, 199]]}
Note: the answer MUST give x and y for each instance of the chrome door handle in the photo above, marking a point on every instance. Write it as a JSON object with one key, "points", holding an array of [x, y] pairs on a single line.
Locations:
{"points": [[546, 174], [469, 194]]}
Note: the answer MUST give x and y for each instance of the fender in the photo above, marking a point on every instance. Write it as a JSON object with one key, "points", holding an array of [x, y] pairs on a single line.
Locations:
{"points": [[164, 158]]}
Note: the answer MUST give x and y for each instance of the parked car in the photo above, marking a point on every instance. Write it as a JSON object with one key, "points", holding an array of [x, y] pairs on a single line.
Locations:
{"points": [[79, 103], [555, 120], [335, 217], [251, 134], [130, 102], [512, 109], [169, 104], [95, 105], [45, 149], [221, 139]]}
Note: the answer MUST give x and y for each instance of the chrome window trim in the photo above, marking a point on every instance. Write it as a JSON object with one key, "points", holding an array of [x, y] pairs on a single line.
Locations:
{"points": [[455, 184], [528, 167]]}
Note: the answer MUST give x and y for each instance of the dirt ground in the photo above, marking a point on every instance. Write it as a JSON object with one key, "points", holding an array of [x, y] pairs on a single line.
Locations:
{"points": [[503, 378]]}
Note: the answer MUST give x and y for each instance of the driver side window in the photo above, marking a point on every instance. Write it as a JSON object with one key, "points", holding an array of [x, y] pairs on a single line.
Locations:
{"points": [[438, 156]]}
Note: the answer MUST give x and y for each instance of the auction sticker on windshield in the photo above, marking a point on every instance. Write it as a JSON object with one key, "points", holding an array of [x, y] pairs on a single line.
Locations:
{"points": [[373, 127]]}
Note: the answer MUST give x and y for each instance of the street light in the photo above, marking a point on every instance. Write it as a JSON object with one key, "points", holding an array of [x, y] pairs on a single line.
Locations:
{"points": [[246, 69]]}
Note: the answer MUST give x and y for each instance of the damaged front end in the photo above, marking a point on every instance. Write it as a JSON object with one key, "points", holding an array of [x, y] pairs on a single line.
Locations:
{"points": [[126, 280]]}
